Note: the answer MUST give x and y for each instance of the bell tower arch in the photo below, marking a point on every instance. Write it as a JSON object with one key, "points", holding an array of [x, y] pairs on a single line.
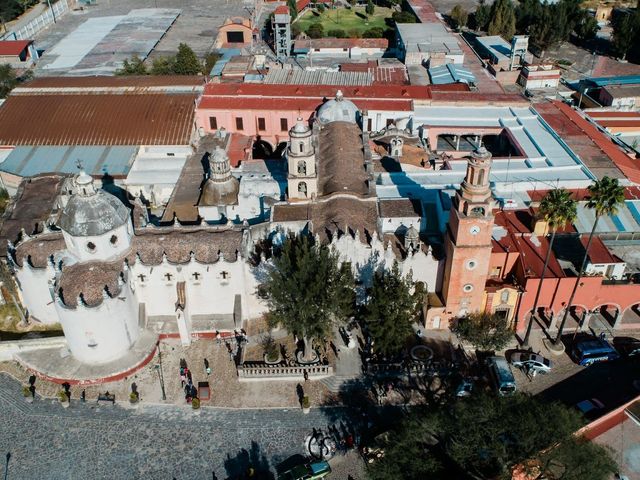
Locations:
{"points": [[468, 239]]}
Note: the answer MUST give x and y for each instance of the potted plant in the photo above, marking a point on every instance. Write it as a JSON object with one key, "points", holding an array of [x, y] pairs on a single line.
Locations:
{"points": [[271, 350], [195, 405], [134, 398], [306, 404], [27, 394], [64, 398]]}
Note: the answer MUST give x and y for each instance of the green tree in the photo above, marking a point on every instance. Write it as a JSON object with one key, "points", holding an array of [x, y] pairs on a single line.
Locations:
{"points": [[557, 208], [296, 30], [162, 66], [320, 8], [403, 17], [503, 19], [606, 196], [527, 13], [210, 61], [483, 331], [390, 311], [186, 62], [307, 290], [481, 16], [459, 16], [370, 8], [315, 30], [374, 32], [8, 79], [486, 437], [133, 66], [587, 29], [337, 33], [293, 9], [624, 32]]}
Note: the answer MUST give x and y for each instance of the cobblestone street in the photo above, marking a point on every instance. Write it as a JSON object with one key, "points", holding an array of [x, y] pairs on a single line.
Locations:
{"points": [[154, 442]]}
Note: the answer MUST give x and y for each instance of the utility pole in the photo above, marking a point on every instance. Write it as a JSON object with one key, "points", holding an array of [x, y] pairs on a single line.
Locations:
{"points": [[52, 12], [158, 368]]}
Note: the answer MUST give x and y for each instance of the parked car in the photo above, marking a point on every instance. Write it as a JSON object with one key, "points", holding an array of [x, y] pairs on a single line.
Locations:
{"points": [[298, 467], [591, 409], [628, 347], [501, 376], [531, 361], [593, 350]]}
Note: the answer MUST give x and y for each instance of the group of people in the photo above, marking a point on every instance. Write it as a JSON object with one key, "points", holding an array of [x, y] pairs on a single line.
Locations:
{"points": [[186, 380]]}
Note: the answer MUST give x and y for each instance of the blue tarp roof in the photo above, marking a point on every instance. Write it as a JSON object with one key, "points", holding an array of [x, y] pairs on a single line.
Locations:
{"points": [[28, 161], [227, 53], [450, 73], [619, 80]]}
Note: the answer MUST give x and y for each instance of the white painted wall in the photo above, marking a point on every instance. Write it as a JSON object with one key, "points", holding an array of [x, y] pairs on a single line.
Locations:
{"points": [[36, 286], [112, 326], [105, 249]]}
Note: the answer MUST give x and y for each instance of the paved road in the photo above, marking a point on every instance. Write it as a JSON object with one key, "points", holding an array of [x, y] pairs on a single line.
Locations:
{"points": [[154, 442]]}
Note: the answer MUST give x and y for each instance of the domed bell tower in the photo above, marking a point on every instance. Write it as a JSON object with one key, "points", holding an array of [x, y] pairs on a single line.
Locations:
{"points": [[468, 239], [301, 163]]}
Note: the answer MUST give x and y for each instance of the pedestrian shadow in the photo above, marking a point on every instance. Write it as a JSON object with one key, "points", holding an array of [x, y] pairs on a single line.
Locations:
{"points": [[248, 464]]}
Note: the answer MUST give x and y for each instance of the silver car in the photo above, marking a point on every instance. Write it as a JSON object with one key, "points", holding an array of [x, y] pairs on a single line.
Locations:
{"points": [[531, 361]]}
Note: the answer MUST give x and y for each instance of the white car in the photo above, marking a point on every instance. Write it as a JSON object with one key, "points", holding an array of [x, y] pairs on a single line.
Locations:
{"points": [[531, 361]]}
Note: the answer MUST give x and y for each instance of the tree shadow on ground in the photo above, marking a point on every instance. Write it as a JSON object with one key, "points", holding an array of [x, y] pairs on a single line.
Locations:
{"points": [[248, 464]]}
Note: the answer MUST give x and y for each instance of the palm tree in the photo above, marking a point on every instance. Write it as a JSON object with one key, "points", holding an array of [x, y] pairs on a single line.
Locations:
{"points": [[557, 208], [606, 196]]}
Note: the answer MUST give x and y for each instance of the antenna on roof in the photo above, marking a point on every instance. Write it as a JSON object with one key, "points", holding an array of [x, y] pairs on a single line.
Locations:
{"points": [[79, 164]]}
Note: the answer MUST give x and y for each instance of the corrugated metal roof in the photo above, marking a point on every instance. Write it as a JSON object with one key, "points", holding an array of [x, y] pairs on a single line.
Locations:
{"points": [[96, 161], [104, 81], [618, 80], [318, 77], [450, 73], [152, 119]]}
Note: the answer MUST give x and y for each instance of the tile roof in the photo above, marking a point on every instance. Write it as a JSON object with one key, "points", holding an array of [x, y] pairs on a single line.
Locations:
{"points": [[305, 104], [341, 162], [628, 166], [13, 47], [150, 119], [95, 82], [400, 207]]}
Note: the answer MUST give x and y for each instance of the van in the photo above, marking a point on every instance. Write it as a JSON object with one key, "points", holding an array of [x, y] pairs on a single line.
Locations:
{"points": [[590, 351], [501, 376]]}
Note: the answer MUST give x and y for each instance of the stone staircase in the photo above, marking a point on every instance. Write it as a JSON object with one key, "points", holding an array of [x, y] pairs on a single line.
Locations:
{"points": [[348, 366]]}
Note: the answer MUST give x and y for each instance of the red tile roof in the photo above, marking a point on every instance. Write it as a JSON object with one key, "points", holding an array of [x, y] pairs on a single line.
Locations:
{"points": [[602, 114], [628, 166], [598, 252], [13, 47], [141, 81], [619, 123], [281, 10], [305, 104], [318, 91]]}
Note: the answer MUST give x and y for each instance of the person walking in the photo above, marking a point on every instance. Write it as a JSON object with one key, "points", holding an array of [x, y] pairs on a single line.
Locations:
{"points": [[207, 369]]}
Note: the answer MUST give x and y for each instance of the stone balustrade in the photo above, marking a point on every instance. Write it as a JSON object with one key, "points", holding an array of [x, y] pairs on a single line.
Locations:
{"points": [[250, 371]]}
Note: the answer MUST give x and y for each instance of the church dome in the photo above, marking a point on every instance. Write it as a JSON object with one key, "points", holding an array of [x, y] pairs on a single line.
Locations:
{"points": [[221, 188], [338, 110], [90, 211]]}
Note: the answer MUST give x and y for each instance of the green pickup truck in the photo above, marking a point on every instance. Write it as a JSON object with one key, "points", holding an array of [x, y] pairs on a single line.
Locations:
{"points": [[299, 468]]}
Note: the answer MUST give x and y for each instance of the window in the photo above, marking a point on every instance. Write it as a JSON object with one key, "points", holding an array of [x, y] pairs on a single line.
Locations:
{"points": [[301, 147], [171, 154], [345, 49], [262, 125], [504, 298], [91, 247], [496, 271], [302, 189], [302, 168], [468, 288], [239, 124], [471, 264], [389, 122], [213, 123], [113, 240], [369, 124], [284, 124]]}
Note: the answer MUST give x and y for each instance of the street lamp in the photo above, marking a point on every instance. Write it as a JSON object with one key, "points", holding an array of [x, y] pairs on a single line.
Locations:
{"points": [[158, 368]]}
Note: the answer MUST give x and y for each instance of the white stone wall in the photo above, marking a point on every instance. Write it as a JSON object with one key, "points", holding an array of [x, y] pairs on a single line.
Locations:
{"points": [[104, 249], [103, 333], [400, 224], [36, 285], [601, 269]]}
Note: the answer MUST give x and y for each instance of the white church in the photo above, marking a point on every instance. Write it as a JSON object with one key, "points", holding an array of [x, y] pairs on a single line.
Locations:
{"points": [[106, 274]]}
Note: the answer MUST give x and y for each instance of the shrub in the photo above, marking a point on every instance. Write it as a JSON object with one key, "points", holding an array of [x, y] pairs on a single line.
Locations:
{"points": [[375, 32], [354, 33], [296, 30], [195, 403], [134, 397], [270, 348], [370, 8], [25, 391], [403, 17], [305, 402], [62, 396], [338, 33], [316, 30], [320, 8]]}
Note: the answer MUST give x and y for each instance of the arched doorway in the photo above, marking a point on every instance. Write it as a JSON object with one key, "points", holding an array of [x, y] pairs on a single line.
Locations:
{"points": [[605, 316], [630, 318], [262, 149]]}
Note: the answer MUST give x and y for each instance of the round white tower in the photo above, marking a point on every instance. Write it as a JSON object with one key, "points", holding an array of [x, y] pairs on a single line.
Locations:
{"points": [[95, 224]]}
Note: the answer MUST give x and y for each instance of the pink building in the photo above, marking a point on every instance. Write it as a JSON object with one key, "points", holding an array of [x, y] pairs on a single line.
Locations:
{"points": [[268, 111]]}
